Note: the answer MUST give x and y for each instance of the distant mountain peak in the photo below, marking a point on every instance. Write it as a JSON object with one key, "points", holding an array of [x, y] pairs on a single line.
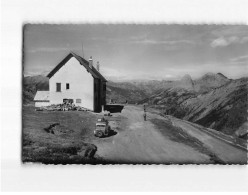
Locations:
{"points": [[223, 76], [186, 82], [208, 75], [213, 75], [186, 77], [210, 81]]}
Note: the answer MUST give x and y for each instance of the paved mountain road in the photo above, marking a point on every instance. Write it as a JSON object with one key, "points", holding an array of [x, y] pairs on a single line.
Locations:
{"points": [[139, 141]]}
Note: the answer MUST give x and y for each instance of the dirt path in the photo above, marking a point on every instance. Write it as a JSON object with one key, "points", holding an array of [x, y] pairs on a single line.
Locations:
{"points": [[139, 141], [225, 151]]}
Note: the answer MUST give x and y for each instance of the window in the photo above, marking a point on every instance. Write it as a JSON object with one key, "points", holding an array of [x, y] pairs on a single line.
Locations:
{"points": [[68, 101], [78, 100], [67, 86], [58, 87], [65, 100], [104, 87]]}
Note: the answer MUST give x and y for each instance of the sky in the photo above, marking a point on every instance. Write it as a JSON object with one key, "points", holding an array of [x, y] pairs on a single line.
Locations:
{"points": [[140, 52]]}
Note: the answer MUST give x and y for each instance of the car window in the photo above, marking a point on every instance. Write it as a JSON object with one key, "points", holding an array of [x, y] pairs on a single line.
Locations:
{"points": [[100, 125]]}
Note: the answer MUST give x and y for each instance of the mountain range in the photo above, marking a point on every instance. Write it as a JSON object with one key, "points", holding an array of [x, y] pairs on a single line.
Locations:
{"points": [[31, 84], [212, 100], [144, 89]]}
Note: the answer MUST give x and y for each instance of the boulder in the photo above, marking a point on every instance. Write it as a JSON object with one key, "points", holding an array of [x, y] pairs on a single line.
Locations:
{"points": [[89, 151]]}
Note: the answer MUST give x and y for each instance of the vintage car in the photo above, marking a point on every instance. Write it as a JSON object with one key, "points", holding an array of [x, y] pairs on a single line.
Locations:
{"points": [[102, 128]]}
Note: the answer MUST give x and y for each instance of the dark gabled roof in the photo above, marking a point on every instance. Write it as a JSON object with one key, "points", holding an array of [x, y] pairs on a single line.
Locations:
{"points": [[82, 61], [62, 63]]}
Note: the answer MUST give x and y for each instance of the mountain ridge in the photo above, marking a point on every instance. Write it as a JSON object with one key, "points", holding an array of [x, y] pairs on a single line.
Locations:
{"points": [[135, 91], [223, 108], [212, 100]]}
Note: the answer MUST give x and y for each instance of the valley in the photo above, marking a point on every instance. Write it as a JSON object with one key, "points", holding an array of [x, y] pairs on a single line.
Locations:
{"points": [[213, 100]]}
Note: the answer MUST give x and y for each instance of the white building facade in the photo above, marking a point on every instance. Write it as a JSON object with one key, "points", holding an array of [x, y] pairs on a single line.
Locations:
{"points": [[77, 81]]}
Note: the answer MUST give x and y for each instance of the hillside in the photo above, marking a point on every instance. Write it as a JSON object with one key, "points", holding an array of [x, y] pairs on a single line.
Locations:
{"points": [[122, 92], [136, 91], [31, 84], [209, 81], [186, 82], [133, 91], [223, 108]]}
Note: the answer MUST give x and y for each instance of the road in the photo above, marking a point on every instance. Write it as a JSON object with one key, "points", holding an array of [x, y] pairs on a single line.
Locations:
{"points": [[144, 142], [224, 150]]}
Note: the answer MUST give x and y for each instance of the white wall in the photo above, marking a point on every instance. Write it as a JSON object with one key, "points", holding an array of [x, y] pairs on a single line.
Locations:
{"points": [[41, 104], [80, 81]]}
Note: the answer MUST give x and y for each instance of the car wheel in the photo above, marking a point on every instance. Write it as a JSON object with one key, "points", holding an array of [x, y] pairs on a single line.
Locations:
{"points": [[99, 134]]}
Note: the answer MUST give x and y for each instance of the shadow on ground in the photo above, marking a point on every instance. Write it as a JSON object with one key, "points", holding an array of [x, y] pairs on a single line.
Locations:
{"points": [[113, 108], [110, 134]]}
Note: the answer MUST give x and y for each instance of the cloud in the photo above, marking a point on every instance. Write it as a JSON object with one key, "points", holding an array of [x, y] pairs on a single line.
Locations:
{"points": [[244, 40], [227, 31], [142, 39], [47, 49], [225, 41], [240, 60], [109, 72], [152, 42], [220, 42], [56, 49], [124, 75], [39, 70]]}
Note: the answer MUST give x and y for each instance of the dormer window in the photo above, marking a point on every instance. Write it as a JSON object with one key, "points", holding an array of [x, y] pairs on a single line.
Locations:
{"points": [[67, 86]]}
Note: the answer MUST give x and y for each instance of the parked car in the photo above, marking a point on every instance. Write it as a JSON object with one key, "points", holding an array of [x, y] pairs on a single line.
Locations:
{"points": [[102, 128]]}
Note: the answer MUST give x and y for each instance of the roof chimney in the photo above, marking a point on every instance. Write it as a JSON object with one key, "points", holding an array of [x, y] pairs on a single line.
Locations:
{"points": [[98, 66], [90, 62]]}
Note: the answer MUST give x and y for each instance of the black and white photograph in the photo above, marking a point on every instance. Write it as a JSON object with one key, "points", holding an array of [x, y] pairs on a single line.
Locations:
{"points": [[134, 94], [124, 96]]}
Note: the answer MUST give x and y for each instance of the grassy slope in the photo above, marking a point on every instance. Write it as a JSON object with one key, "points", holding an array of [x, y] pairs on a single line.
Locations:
{"points": [[72, 136]]}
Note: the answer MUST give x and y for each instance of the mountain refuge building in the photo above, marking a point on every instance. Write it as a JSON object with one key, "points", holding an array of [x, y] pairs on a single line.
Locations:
{"points": [[77, 81]]}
